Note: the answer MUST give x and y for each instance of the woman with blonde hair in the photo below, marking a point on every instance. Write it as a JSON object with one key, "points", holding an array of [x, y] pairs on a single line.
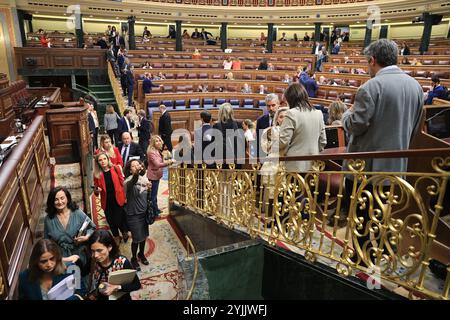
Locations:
{"points": [[108, 182], [156, 163], [336, 110], [112, 152], [110, 121]]}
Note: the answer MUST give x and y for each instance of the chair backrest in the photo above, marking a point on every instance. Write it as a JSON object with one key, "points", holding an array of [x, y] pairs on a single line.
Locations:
{"points": [[168, 103], [180, 103], [153, 104], [220, 101], [168, 88], [235, 102]]}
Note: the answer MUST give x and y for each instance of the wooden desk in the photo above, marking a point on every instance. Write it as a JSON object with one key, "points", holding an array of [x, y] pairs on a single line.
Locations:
{"points": [[22, 184]]}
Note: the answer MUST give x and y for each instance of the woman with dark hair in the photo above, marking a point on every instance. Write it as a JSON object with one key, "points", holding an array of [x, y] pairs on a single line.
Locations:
{"points": [[45, 270], [68, 226], [108, 182], [302, 131], [107, 257], [136, 188]]}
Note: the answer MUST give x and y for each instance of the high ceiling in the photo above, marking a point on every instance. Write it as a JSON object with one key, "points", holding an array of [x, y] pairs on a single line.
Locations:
{"points": [[264, 11]]}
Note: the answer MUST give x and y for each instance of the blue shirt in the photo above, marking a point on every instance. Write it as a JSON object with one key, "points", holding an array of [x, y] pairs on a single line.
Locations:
{"points": [[438, 92]]}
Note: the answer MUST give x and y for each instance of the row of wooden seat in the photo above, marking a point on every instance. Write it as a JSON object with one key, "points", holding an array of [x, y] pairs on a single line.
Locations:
{"points": [[414, 71], [443, 60], [153, 54], [207, 73], [189, 86], [180, 63]]}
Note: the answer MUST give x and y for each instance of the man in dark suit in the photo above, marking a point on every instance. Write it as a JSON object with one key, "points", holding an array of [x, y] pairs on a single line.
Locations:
{"points": [[265, 121], [125, 123], [147, 83], [165, 127], [205, 34], [130, 150], [102, 43], [203, 138], [117, 42], [130, 85], [144, 131], [196, 34]]}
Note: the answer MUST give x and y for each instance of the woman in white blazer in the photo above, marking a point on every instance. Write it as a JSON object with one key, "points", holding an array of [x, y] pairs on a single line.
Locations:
{"points": [[302, 132]]}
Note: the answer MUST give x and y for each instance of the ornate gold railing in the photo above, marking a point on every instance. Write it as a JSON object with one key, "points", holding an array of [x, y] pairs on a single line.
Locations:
{"points": [[392, 244], [116, 89], [188, 257]]}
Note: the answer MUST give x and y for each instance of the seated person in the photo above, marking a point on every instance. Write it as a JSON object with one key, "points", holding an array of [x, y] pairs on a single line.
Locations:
{"points": [[336, 110], [147, 65], [185, 34], [262, 90], [263, 65], [283, 37], [229, 76], [196, 54], [202, 88], [246, 88], [270, 66], [227, 64], [236, 64], [437, 92]]}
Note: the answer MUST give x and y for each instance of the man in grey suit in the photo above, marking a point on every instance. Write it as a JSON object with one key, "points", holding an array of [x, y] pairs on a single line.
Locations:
{"points": [[385, 116]]}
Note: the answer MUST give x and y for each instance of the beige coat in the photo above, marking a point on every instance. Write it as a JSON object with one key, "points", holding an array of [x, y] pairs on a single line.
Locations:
{"points": [[302, 133]]}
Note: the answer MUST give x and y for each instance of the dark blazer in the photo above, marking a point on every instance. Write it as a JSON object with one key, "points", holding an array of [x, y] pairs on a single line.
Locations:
{"points": [[406, 51], [196, 35], [311, 87], [201, 141], [239, 142], [102, 43], [122, 126], [121, 41], [147, 85], [135, 151], [91, 123], [120, 61], [144, 130], [29, 290], [130, 78], [165, 129]]}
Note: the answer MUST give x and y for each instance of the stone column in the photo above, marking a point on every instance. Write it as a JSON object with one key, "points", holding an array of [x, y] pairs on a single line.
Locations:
{"points": [[269, 44], [178, 41], [223, 36]]}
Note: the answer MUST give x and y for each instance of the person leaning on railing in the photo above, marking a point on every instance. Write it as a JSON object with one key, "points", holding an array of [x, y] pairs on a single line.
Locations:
{"points": [[385, 116]]}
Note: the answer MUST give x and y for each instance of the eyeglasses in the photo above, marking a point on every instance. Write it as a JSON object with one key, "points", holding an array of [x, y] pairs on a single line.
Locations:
{"points": [[272, 105]]}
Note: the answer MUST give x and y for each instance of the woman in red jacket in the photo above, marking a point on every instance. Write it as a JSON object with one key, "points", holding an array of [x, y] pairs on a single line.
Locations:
{"points": [[113, 153], [155, 167], [108, 181]]}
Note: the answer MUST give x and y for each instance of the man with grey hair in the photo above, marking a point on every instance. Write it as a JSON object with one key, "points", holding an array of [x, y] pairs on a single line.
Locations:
{"points": [[265, 121], [385, 116]]}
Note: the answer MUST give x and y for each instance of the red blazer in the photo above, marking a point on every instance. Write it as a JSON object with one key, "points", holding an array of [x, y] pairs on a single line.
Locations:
{"points": [[155, 165], [44, 41], [115, 161], [117, 179]]}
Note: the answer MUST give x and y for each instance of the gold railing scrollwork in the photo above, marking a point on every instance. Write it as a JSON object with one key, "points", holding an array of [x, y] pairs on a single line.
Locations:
{"points": [[385, 223]]}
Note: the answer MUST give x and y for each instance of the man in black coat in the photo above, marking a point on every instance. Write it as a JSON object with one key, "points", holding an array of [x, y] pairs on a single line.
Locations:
{"points": [[144, 131], [102, 43], [130, 150], [203, 138], [165, 127], [117, 42]]}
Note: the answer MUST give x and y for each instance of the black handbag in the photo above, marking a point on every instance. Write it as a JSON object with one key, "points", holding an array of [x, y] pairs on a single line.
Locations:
{"points": [[151, 214]]}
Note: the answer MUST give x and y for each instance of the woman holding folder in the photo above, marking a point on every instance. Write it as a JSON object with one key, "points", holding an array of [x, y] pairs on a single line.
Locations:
{"points": [[69, 227], [109, 261], [45, 270]]}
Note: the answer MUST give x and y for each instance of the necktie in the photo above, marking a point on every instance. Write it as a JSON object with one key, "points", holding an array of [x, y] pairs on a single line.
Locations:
{"points": [[125, 153]]}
